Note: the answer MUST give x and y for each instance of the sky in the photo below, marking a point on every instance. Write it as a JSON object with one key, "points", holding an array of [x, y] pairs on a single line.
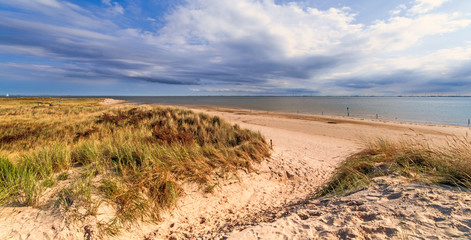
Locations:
{"points": [[235, 47]]}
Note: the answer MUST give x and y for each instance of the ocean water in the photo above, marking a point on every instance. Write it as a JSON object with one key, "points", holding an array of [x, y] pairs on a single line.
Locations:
{"points": [[435, 110]]}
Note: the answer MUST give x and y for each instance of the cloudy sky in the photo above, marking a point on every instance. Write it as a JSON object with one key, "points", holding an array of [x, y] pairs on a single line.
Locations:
{"points": [[235, 47]]}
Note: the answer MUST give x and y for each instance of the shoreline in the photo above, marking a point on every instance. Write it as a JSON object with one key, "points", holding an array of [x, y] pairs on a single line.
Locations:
{"points": [[327, 116], [315, 117], [332, 121], [447, 111]]}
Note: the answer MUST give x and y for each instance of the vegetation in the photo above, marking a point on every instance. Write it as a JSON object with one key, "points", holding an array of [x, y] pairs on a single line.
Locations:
{"points": [[134, 158], [450, 165]]}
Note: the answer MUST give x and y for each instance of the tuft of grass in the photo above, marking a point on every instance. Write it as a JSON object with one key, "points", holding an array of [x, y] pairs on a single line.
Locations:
{"points": [[63, 176], [65, 199], [134, 158], [31, 189], [448, 165]]}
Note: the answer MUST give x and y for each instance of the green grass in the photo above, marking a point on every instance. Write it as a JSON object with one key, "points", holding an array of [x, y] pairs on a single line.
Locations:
{"points": [[135, 158], [450, 165]]}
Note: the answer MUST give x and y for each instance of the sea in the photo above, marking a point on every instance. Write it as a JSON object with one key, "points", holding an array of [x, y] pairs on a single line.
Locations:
{"points": [[433, 110]]}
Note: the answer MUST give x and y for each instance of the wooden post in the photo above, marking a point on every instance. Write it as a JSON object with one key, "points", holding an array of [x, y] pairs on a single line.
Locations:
{"points": [[271, 144]]}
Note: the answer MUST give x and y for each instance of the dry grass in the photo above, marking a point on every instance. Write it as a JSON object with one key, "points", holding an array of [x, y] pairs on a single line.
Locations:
{"points": [[450, 165], [132, 157]]}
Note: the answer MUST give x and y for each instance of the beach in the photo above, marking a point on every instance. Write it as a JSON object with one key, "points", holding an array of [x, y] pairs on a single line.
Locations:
{"points": [[275, 199], [306, 151]]}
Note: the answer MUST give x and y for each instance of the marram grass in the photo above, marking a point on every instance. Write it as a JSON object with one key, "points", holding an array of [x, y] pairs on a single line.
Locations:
{"points": [[449, 165], [134, 158]]}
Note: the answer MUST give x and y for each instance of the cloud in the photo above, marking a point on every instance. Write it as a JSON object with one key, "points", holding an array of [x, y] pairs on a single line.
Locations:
{"points": [[117, 8], [399, 9], [446, 69], [401, 33], [424, 6], [286, 30], [245, 46]]}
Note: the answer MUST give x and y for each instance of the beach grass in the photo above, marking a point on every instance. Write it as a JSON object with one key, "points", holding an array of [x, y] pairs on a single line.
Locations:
{"points": [[448, 164], [133, 157]]}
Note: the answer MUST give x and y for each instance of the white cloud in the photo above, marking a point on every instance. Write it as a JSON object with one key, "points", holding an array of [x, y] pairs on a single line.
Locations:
{"points": [[424, 6], [401, 33], [117, 8], [114, 6], [398, 10], [56, 31], [440, 61], [50, 3], [290, 30]]}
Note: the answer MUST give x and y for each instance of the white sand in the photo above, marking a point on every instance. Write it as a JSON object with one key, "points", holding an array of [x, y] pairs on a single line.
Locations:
{"points": [[110, 101], [388, 209]]}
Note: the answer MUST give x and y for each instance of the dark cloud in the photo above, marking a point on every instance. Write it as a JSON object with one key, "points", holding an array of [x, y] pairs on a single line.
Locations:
{"points": [[169, 80], [377, 81], [408, 82]]}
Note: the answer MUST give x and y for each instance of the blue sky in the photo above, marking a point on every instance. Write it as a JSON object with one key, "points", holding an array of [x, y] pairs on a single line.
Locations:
{"points": [[235, 47]]}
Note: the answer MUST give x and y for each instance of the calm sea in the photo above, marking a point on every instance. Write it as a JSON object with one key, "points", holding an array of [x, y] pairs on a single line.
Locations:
{"points": [[440, 110]]}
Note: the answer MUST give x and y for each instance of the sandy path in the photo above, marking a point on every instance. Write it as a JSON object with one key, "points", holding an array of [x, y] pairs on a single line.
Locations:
{"points": [[300, 163]]}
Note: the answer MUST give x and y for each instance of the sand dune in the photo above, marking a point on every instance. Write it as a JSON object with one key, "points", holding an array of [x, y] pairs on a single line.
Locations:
{"points": [[273, 202]]}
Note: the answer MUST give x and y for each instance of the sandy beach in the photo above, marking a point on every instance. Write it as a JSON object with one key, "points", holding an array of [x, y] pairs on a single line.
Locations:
{"points": [[306, 151], [275, 200]]}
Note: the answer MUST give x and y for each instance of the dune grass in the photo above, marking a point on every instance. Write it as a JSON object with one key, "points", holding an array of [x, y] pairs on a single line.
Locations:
{"points": [[450, 165], [134, 158]]}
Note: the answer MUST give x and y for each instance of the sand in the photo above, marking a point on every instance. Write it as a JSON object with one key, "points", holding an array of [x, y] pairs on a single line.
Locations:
{"points": [[110, 101], [390, 208], [275, 201]]}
